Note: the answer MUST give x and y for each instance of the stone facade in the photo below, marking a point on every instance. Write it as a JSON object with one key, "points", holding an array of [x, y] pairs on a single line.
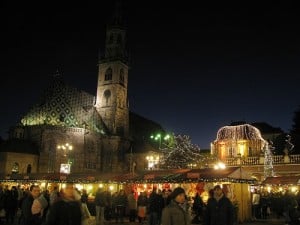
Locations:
{"points": [[9, 159]]}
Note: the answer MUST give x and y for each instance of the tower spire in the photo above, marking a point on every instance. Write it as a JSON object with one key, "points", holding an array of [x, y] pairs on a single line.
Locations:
{"points": [[111, 102], [115, 44], [117, 19]]}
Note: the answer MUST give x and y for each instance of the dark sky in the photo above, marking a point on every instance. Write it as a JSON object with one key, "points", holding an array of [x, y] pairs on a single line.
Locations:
{"points": [[194, 68]]}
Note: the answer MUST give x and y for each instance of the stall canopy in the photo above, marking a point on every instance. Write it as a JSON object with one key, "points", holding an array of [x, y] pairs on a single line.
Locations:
{"points": [[230, 174], [73, 177], [283, 180]]}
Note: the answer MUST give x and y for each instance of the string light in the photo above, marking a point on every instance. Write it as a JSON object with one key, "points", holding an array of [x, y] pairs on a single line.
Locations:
{"points": [[268, 164], [175, 176], [239, 132]]}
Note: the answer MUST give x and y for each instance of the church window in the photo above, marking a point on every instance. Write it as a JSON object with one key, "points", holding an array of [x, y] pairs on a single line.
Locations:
{"points": [[91, 165], [15, 168], [108, 74], [107, 95], [122, 76]]}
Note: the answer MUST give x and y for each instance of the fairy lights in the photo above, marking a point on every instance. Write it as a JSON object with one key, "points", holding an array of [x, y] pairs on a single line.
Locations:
{"points": [[239, 132], [268, 164], [241, 140]]}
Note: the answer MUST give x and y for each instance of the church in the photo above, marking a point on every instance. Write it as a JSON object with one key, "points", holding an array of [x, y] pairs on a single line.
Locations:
{"points": [[88, 133]]}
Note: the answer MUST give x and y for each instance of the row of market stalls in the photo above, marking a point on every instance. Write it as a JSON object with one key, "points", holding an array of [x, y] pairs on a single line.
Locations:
{"points": [[230, 174], [280, 184], [235, 182]]}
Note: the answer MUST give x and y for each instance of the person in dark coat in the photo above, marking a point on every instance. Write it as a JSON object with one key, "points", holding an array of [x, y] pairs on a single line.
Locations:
{"points": [[67, 210], [198, 206], [176, 212], [155, 207], [132, 206], [11, 204], [28, 217], [142, 204], [219, 210], [121, 204]]}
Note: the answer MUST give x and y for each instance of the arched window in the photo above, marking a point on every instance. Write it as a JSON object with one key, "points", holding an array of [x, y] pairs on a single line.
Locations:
{"points": [[28, 170], [15, 168], [107, 95], [122, 76], [108, 74]]}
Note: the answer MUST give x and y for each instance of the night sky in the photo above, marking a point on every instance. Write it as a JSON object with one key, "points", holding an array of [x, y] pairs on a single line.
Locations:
{"points": [[193, 68]]}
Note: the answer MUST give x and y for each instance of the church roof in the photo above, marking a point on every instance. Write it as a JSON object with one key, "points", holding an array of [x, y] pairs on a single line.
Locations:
{"points": [[142, 128], [239, 132], [63, 105]]}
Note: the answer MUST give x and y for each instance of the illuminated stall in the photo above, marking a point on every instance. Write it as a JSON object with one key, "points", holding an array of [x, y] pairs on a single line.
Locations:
{"points": [[281, 184], [234, 181]]}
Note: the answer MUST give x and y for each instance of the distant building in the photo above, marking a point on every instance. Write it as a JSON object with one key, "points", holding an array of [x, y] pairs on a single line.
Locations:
{"points": [[245, 145], [239, 140], [18, 156]]}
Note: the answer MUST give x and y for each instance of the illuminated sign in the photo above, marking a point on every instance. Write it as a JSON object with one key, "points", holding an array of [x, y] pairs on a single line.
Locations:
{"points": [[65, 168]]}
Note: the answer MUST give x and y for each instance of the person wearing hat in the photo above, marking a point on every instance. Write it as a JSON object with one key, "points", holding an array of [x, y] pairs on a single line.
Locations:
{"points": [[176, 213], [219, 210]]}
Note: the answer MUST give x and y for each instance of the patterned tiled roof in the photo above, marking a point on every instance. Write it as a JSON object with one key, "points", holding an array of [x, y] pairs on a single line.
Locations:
{"points": [[62, 105]]}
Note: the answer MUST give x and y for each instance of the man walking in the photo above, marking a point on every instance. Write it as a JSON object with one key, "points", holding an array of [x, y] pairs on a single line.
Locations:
{"points": [[219, 209]]}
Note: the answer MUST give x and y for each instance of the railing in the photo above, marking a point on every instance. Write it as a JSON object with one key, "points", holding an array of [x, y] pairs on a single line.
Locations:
{"points": [[295, 158], [259, 160], [278, 159]]}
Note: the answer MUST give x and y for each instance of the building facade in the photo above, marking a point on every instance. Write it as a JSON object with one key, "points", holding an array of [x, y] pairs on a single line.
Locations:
{"points": [[243, 145], [240, 140], [90, 133]]}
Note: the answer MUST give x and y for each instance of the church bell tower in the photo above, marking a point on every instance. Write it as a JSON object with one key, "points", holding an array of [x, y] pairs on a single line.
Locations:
{"points": [[111, 101]]}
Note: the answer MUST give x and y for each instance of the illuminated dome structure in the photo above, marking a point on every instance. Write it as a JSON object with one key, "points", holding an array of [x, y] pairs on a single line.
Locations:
{"points": [[241, 140]]}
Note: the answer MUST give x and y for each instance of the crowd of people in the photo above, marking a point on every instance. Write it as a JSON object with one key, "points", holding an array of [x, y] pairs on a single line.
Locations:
{"points": [[35, 207], [72, 207], [281, 204], [159, 207], [166, 207]]}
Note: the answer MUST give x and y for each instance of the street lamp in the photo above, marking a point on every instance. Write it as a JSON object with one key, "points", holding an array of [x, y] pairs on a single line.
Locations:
{"points": [[153, 161], [66, 148], [219, 166], [158, 137]]}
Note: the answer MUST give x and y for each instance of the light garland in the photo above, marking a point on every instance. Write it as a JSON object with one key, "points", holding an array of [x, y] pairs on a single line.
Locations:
{"points": [[239, 132], [268, 164], [182, 154]]}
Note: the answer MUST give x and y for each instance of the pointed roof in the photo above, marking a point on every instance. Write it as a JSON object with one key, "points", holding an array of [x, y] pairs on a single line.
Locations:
{"points": [[63, 105], [117, 18]]}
